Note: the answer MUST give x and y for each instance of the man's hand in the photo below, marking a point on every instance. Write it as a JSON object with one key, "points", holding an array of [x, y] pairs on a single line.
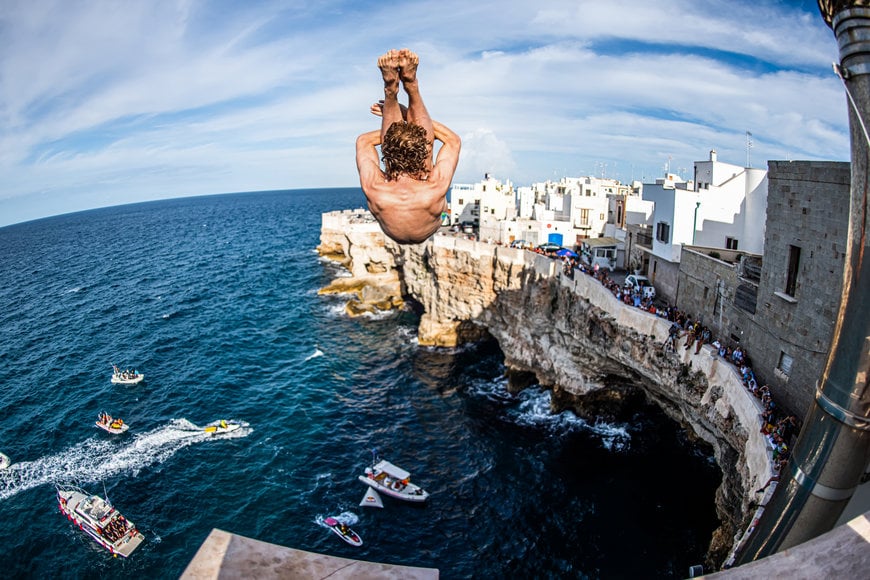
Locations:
{"points": [[378, 109]]}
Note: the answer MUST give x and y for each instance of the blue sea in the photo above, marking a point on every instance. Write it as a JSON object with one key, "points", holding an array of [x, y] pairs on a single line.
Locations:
{"points": [[215, 300]]}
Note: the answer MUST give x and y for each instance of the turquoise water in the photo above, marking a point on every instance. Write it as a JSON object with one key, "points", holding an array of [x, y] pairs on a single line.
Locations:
{"points": [[215, 300]]}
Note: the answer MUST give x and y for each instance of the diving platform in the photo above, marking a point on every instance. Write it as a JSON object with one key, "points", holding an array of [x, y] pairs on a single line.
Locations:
{"points": [[227, 556]]}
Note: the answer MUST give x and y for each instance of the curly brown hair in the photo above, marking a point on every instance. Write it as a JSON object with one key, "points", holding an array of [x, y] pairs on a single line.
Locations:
{"points": [[405, 150]]}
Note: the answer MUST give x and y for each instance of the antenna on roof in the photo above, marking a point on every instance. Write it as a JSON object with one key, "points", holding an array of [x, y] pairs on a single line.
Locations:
{"points": [[748, 149]]}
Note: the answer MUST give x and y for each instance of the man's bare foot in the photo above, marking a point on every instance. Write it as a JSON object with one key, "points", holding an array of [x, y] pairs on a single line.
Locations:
{"points": [[407, 62], [389, 65]]}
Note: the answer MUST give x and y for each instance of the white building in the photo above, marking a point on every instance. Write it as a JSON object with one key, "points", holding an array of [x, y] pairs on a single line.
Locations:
{"points": [[726, 210], [567, 211], [469, 202], [733, 206]]}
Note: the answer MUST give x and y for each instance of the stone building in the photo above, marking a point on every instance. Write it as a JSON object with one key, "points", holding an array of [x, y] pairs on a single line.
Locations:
{"points": [[782, 311]]}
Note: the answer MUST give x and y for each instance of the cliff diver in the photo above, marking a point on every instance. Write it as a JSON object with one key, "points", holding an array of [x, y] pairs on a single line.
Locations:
{"points": [[409, 195]]}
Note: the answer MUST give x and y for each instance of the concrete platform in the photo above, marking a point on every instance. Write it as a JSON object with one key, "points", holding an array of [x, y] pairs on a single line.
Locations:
{"points": [[227, 556], [844, 552]]}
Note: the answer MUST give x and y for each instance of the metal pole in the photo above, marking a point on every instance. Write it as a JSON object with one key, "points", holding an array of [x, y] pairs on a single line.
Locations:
{"points": [[834, 446]]}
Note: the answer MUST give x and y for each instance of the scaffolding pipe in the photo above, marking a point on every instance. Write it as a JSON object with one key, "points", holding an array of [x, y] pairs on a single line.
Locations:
{"points": [[833, 447]]}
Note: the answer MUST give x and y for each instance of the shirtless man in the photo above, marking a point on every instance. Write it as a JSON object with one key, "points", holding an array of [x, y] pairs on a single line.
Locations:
{"points": [[409, 195]]}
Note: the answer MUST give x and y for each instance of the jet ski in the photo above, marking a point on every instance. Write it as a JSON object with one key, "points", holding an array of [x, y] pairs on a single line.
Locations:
{"points": [[343, 531]]}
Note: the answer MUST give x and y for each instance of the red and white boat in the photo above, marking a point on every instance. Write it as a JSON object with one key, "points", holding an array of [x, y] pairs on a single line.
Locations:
{"points": [[100, 520], [112, 425]]}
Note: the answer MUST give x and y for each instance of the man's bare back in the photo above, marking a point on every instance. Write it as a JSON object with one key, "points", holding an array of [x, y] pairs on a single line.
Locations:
{"points": [[410, 195]]}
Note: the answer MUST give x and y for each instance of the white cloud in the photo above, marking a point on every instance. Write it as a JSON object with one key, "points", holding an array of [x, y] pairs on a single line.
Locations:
{"points": [[102, 103], [483, 152]]}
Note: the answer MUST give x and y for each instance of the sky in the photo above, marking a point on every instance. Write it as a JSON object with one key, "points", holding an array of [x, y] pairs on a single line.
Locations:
{"points": [[111, 102]]}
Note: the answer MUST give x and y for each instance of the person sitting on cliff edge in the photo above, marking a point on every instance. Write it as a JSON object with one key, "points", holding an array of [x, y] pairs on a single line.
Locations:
{"points": [[409, 195]]}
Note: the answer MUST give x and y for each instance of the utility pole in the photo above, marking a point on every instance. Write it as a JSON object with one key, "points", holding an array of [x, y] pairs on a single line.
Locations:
{"points": [[748, 149]]}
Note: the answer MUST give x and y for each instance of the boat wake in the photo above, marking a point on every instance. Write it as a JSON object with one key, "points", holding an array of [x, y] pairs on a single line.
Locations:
{"points": [[97, 458], [317, 352]]}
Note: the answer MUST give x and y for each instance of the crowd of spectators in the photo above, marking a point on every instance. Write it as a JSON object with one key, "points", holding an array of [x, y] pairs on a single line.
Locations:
{"points": [[779, 427]]}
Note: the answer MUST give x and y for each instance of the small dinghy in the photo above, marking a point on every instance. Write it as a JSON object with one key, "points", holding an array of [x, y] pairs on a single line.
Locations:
{"points": [[112, 425], [126, 377], [343, 531]]}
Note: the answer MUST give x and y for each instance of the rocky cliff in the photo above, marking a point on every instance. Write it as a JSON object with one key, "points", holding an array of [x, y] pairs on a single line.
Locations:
{"points": [[573, 336], [353, 239]]}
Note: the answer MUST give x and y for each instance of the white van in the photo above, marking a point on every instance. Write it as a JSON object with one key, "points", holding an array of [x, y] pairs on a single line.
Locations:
{"points": [[599, 251]]}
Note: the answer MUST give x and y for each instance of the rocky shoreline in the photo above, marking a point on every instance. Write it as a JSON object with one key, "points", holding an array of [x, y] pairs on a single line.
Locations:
{"points": [[567, 334]]}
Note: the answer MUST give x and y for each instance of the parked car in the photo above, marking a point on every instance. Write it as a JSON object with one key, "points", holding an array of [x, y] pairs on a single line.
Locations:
{"points": [[637, 283], [522, 244]]}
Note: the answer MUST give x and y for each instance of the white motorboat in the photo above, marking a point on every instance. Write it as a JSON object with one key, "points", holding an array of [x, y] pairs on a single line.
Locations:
{"points": [[126, 377], [100, 520], [221, 427], [5, 462], [393, 481], [111, 424]]}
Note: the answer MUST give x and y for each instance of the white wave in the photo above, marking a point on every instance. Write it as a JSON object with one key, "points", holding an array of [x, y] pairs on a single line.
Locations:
{"points": [[337, 310], [317, 352], [408, 334], [75, 290], [378, 314], [534, 410], [97, 458], [613, 437]]}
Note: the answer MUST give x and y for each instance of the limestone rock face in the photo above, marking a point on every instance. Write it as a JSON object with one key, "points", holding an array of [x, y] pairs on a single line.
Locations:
{"points": [[354, 240], [454, 287]]}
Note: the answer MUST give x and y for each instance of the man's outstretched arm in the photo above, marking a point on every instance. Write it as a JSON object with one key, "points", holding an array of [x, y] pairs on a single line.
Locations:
{"points": [[448, 155], [367, 162]]}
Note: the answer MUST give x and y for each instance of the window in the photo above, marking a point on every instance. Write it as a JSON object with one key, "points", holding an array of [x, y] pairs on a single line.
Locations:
{"points": [[663, 232], [584, 216], [601, 217], [730, 243], [794, 261], [461, 202], [785, 362]]}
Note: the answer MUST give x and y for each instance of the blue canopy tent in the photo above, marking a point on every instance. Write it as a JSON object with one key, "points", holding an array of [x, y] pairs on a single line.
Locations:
{"points": [[566, 252]]}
